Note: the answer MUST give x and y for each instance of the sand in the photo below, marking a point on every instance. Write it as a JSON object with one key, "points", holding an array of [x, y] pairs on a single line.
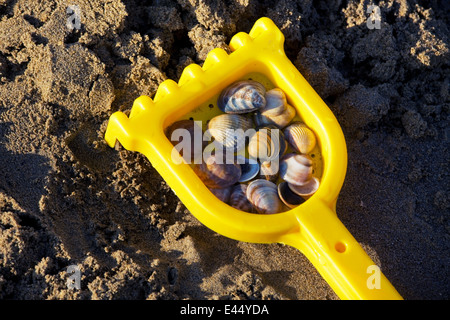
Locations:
{"points": [[66, 198]]}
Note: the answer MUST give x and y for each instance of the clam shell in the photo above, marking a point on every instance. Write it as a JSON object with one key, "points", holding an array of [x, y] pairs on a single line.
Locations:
{"points": [[249, 168], [280, 121], [307, 189], [289, 198], [263, 195], [275, 103], [229, 130], [238, 198], [300, 137], [276, 110], [195, 144], [261, 121], [242, 97], [223, 194], [296, 168], [215, 174], [267, 143], [269, 170]]}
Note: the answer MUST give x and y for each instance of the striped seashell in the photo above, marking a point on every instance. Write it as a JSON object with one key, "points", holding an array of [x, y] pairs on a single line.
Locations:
{"points": [[229, 131], [263, 195], [307, 189], [267, 144], [242, 97], [289, 198], [238, 198], [296, 168], [216, 174], [300, 137]]}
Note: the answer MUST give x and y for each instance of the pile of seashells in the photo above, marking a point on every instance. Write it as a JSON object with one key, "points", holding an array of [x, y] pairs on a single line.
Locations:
{"points": [[257, 130]]}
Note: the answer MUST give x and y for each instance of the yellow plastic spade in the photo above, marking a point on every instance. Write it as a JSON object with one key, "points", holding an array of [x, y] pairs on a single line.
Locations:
{"points": [[313, 227]]}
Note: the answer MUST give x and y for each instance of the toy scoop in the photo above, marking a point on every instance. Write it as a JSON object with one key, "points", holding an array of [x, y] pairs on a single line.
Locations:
{"points": [[312, 227]]}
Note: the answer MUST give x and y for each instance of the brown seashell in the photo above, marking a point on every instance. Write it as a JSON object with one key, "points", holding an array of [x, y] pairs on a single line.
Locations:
{"points": [[289, 198], [300, 137], [267, 144], [223, 194], [276, 111], [230, 130], [269, 170], [216, 174], [275, 103], [238, 198]]}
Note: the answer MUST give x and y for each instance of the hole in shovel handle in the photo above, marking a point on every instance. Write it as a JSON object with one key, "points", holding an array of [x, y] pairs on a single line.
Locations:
{"points": [[340, 247]]}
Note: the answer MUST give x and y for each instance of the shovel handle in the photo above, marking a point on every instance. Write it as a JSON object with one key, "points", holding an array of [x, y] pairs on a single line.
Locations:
{"points": [[338, 257]]}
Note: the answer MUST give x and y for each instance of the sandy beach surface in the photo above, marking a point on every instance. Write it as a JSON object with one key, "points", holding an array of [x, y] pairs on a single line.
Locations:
{"points": [[67, 199]]}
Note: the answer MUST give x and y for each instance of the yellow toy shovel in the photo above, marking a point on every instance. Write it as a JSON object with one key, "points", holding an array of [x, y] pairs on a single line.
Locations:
{"points": [[313, 227]]}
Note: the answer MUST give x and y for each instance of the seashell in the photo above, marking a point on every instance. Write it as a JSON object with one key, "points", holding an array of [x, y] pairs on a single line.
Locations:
{"points": [[275, 103], [289, 198], [263, 195], [216, 174], [249, 168], [296, 168], [269, 170], [280, 121], [260, 120], [223, 194], [300, 137], [276, 110], [229, 130], [307, 189], [194, 135], [242, 97], [267, 144], [238, 198]]}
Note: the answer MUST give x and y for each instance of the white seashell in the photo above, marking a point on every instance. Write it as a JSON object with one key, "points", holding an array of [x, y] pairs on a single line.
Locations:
{"points": [[307, 189], [296, 168], [263, 195]]}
